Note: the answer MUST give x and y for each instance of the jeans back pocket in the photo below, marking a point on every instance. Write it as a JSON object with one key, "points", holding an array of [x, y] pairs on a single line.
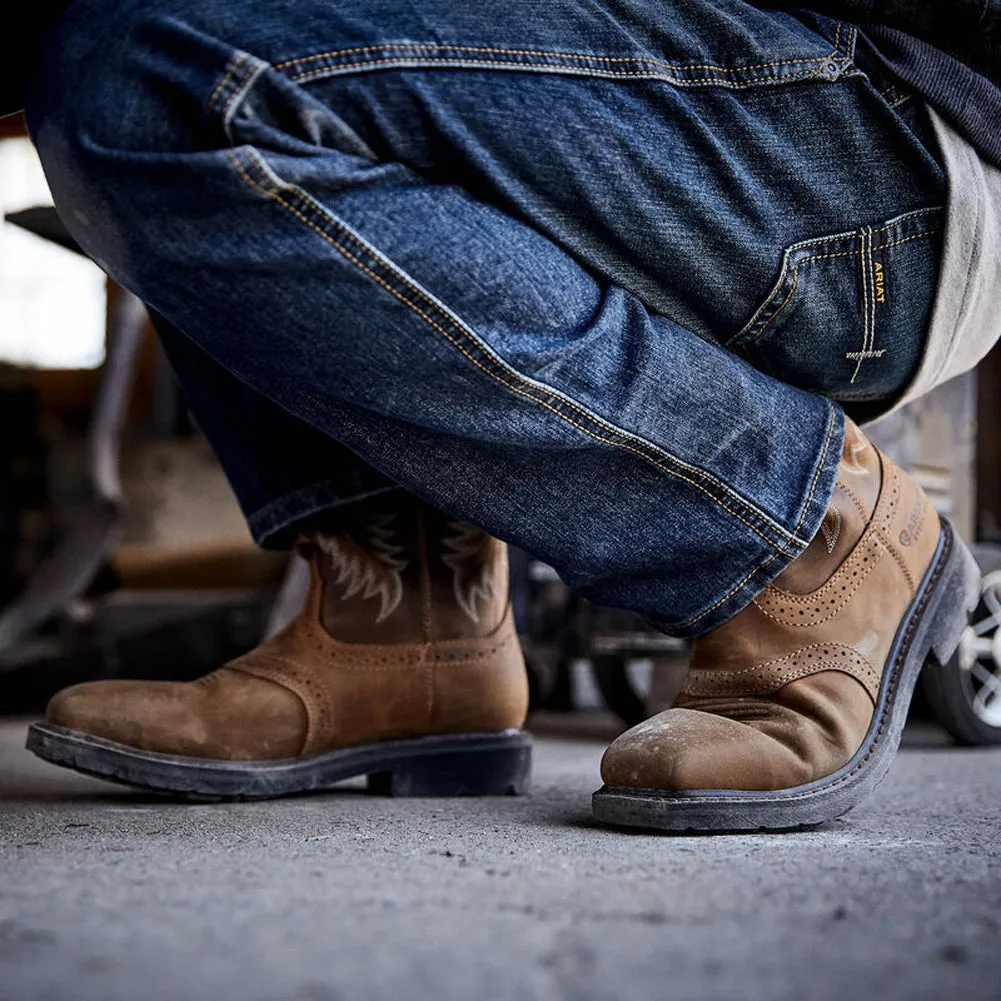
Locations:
{"points": [[849, 314]]}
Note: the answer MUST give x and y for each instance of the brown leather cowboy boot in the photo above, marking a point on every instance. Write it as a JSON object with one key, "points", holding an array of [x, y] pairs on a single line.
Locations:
{"points": [[793, 709], [403, 666]]}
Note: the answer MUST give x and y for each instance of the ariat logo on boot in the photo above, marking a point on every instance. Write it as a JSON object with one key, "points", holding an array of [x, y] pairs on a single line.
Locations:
{"points": [[914, 523]]}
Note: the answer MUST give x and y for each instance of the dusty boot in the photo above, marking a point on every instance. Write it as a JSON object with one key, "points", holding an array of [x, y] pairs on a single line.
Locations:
{"points": [[793, 709], [403, 666]]}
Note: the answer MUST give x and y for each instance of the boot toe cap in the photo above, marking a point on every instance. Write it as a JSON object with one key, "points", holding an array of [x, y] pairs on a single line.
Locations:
{"points": [[226, 715], [684, 749], [120, 711]]}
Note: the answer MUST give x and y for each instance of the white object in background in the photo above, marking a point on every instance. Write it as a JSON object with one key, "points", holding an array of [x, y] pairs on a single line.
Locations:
{"points": [[52, 301]]}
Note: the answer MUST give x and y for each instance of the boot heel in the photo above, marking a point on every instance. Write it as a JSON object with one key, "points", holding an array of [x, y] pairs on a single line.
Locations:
{"points": [[490, 771]]}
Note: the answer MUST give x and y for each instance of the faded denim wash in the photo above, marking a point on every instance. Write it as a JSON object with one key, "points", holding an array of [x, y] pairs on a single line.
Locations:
{"points": [[597, 276]]}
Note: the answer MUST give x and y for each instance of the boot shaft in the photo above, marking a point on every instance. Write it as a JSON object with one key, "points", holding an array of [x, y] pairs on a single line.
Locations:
{"points": [[406, 573]]}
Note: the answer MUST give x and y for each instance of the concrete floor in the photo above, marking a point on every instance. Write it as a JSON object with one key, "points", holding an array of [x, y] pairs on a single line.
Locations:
{"points": [[105, 895]]}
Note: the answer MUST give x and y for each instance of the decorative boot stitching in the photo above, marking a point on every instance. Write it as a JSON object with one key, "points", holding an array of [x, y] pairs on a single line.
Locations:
{"points": [[809, 610], [370, 568], [320, 715], [771, 676], [892, 681], [475, 577], [856, 500], [831, 533]]}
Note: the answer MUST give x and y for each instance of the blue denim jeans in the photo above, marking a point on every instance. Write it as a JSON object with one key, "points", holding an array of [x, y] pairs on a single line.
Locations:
{"points": [[601, 278]]}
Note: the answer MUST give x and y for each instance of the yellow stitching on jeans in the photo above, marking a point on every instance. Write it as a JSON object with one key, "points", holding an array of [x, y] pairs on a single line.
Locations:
{"points": [[795, 283], [822, 257], [806, 507], [650, 74], [816, 475], [785, 301], [554, 393], [494, 375], [238, 90], [429, 47], [870, 266], [869, 262], [893, 224], [906, 217], [498, 378], [743, 332], [238, 60], [484, 50], [906, 239]]}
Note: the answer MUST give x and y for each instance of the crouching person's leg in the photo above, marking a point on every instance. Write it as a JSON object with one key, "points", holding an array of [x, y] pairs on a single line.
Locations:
{"points": [[383, 222]]}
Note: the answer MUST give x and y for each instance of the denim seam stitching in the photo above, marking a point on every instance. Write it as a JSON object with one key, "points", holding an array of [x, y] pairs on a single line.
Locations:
{"points": [[678, 81], [240, 75], [907, 239], [868, 308], [749, 341], [224, 81], [896, 223], [584, 413], [551, 54], [864, 254], [790, 540], [732, 76], [247, 79], [869, 286], [743, 339]]}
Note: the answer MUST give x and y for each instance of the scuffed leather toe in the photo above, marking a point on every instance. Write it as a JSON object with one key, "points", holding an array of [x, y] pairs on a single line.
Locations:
{"points": [[227, 715], [687, 749]]}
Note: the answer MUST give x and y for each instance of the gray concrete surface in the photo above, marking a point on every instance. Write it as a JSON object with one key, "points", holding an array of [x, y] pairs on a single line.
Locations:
{"points": [[105, 895]]}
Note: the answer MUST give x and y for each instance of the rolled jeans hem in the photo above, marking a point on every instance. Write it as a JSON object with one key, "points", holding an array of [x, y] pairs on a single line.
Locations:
{"points": [[773, 562], [276, 525]]}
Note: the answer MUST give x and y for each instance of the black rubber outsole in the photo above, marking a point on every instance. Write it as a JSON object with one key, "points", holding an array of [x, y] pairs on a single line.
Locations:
{"points": [[930, 630], [465, 764]]}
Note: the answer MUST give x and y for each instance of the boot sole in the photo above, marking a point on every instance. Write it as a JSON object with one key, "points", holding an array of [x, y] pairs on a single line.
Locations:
{"points": [[462, 764], [930, 630]]}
